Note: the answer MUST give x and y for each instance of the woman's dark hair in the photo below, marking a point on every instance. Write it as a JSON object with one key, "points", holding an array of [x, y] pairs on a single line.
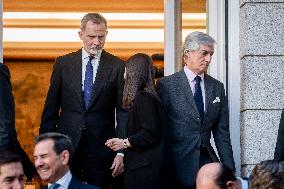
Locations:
{"points": [[267, 174], [139, 77]]}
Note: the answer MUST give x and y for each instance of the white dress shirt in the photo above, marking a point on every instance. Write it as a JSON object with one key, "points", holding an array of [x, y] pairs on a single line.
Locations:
{"points": [[95, 64], [64, 181], [244, 183], [190, 77]]}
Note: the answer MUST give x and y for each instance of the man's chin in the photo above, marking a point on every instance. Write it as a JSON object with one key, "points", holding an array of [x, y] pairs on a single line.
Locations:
{"points": [[204, 69], [94, 52], [45, 178]]}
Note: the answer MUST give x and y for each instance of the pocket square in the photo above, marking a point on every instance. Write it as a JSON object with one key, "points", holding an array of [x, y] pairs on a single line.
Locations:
{"points": [[217, 99]]}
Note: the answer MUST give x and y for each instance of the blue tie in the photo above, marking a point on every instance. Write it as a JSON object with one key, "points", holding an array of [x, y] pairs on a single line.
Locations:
{"points": [[198, 97], [54, 186], [88, 83]]}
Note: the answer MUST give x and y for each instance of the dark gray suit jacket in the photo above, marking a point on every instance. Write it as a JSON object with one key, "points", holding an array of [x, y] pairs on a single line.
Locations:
{"points": [[185, 129], [75, 184], [279, 150]]}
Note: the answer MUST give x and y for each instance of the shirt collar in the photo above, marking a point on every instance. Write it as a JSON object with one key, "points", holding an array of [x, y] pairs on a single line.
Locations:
{"points": [[85, 54], [191, 75], [64, 181], [244, 183]]}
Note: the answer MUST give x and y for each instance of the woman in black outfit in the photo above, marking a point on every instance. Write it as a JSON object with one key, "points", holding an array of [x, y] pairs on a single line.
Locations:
{"points": [[144, 146]]}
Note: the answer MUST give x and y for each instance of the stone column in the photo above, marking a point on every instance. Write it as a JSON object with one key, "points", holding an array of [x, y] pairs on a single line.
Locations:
{"points": [[173, 29], [216, 29], [262, 78], [233, 74]]}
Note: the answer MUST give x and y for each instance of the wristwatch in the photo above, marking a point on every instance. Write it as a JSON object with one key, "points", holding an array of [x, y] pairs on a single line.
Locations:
{"points": [[125, 143]]}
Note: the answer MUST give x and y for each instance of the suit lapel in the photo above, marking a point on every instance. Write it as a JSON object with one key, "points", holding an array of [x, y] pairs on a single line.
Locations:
{"points": [[101, 76], [76, 76], [208, 86], [185, 88]]}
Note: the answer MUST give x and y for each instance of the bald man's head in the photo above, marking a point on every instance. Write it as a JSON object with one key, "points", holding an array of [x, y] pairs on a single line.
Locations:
{"points": [[215, 176]]}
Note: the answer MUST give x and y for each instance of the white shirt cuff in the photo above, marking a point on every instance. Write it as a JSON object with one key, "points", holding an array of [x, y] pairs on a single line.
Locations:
{"points": [[120, 154]]}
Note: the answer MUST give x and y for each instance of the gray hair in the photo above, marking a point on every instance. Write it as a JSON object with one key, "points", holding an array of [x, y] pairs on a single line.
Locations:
{"points": [[195, 39], [95, 18]]}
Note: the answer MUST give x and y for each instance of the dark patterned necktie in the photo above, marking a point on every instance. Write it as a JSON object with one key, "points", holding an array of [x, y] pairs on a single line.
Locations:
{"points": [[54, 186], [88, 82], [198, 97]]}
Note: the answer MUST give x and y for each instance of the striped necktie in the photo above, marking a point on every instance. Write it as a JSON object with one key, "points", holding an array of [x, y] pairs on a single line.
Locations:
{"points": [[54, 186]]}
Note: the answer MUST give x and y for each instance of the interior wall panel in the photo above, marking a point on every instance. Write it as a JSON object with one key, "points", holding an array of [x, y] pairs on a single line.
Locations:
{"points": [[98, 6]]}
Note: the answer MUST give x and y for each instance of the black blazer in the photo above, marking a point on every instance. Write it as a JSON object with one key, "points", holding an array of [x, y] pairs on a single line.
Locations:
{"points": [[76, 184], [279, 150], [146, 131], [8, 135], [7, 110], [64, 109]]}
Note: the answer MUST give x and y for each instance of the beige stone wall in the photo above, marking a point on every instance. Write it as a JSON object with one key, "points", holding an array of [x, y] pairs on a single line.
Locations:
{"points": [[262, 74]]}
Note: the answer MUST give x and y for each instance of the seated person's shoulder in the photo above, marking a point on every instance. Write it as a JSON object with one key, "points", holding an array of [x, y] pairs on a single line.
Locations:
{"points": [[88, 186]]}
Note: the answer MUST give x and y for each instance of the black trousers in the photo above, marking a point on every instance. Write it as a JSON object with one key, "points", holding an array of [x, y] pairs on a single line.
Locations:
{"points": [[88, 169], [204, 157]]}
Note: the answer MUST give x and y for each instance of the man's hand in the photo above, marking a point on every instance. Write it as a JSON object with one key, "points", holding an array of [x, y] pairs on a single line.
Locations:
{"points": [[117, 165], [115, 144]]}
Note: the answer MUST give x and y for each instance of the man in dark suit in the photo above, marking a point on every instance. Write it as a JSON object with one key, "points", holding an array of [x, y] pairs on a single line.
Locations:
{"points": [[196, 105], [85, 93], [52, 154], [279, 149], [8, 135]]}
